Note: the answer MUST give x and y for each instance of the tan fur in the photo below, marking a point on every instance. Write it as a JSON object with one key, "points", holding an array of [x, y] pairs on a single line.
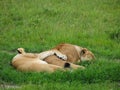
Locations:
{"points": [[74, 54], [70, 51], [31, 62]]}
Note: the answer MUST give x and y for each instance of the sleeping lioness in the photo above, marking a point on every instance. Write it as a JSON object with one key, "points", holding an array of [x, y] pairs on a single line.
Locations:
{"points": [[74, 54], [33, 62]]}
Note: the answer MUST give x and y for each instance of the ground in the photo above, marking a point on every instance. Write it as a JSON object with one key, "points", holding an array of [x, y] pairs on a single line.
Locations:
{"points": [[39, 25]]}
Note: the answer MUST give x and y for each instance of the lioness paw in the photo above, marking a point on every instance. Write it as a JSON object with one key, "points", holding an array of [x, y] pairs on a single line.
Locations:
{"points": [[61, 56]]}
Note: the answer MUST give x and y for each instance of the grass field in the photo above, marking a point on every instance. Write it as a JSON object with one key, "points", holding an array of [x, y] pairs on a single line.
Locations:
{"points": [[39, 25]]}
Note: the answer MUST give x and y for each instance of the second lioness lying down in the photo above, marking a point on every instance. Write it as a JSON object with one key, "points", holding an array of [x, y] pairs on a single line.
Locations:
{"points": [[74, 54]]}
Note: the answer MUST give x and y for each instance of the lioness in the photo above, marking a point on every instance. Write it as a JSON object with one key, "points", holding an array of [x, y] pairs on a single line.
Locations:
{"points": [[33, 62], [74, 54]]}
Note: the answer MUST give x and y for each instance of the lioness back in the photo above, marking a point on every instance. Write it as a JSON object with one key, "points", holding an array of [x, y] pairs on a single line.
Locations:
{"points": [[70, 51]]}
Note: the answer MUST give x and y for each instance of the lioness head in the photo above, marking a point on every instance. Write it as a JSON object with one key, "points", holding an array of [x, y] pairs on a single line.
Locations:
{"points": [[86, 55], [20, 50]]}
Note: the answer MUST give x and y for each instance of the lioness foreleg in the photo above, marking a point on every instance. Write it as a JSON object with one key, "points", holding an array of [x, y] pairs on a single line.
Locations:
{"points": [[45, 54]]}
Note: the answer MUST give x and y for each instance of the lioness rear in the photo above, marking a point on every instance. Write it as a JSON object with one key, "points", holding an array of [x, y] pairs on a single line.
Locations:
{"points": [[32, 62]]}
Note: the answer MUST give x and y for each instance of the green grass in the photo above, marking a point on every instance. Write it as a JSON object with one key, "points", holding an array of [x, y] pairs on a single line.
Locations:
{"points": [[67, 86], [39, 25]]}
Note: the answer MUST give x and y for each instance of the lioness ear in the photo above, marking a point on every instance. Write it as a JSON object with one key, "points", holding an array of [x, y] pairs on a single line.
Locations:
{"points": [[83, 51], [20, 50]]}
